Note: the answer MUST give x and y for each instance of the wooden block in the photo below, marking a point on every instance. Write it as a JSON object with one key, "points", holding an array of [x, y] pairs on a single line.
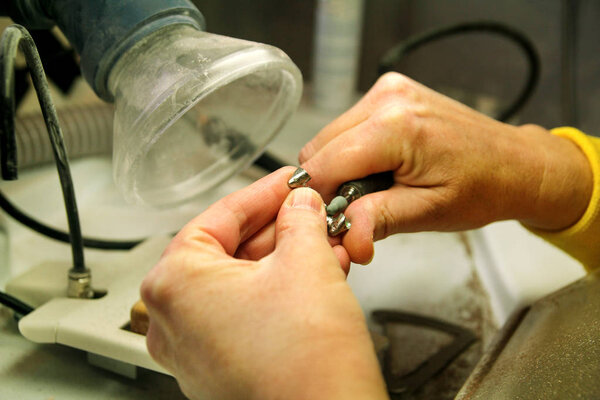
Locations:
{"points": [[139, 318]]}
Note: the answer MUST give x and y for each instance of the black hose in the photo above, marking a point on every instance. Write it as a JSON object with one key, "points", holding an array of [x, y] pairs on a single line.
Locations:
{"points": [[13, 38], [59, 235], [395, 54], [267, 162], [15, 304]]}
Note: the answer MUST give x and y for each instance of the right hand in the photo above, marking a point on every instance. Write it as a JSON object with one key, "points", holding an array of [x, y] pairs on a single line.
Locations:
{"points": [[454, 168]]}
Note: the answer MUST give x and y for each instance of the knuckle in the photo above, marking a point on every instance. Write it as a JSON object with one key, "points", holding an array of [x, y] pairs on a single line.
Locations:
{"points": [[381, 217], [393, 83], [156, 289]]}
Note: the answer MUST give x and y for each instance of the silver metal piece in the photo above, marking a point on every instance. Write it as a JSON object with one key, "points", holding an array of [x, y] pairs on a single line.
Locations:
{"points": [[337, 225], [299, 178], [349, 192], [80, 284], [329, 221], [338, 204]]}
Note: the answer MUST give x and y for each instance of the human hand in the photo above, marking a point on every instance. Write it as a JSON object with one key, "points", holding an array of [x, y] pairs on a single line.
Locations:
{"points": [[284, 326], [454, 168]]}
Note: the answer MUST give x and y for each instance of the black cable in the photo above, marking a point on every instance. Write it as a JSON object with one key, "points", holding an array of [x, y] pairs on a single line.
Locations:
{"points": [[59, 235], [15, 304], [16, 37], [395, 54], [266, 162]]}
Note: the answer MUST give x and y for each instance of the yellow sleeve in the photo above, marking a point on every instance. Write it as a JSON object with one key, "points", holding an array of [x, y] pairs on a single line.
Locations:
{"points": [[581, 240]]}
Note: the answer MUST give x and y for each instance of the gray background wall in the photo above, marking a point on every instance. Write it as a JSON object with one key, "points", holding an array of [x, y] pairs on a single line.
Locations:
{"points": [[465, 66]]}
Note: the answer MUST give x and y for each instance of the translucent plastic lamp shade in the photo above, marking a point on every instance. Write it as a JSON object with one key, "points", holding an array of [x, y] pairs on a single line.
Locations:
{"points": [[192, 109]]}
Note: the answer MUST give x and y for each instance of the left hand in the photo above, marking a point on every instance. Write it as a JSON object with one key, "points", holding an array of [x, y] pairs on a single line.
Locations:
{"points": [[454, 168], [284, 326]]}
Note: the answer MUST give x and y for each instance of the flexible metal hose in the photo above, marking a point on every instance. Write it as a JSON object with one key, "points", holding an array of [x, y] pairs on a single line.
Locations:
{"points": [[87, 130]]}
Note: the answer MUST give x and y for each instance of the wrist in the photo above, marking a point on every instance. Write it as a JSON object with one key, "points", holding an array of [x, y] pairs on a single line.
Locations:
{"points": [[557, 178], [336, 368]]}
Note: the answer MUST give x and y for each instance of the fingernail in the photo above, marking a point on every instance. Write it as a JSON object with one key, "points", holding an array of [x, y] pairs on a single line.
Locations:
{"points": [[305, 198], [299, 178]]}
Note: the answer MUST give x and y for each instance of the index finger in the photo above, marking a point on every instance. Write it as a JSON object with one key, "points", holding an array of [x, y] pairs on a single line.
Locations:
{"points": [[349, 119], [238, 216]]}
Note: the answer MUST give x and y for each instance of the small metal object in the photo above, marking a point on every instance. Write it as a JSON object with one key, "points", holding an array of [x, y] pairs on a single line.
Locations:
{"points": [[338, 204], [353, 190], [80, 284], [299, 178], [349, 192], [337, 225]]}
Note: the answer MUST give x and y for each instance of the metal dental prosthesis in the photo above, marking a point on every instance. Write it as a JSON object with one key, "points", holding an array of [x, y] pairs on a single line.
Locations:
{"points": [[299, 178]]}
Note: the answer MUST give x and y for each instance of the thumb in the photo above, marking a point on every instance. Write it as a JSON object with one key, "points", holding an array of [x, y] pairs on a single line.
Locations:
{"points": [[301, 232]]}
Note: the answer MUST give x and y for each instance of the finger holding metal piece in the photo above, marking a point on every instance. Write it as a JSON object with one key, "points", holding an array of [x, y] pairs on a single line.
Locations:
{"points": [[337, 225], [299, 178]]}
